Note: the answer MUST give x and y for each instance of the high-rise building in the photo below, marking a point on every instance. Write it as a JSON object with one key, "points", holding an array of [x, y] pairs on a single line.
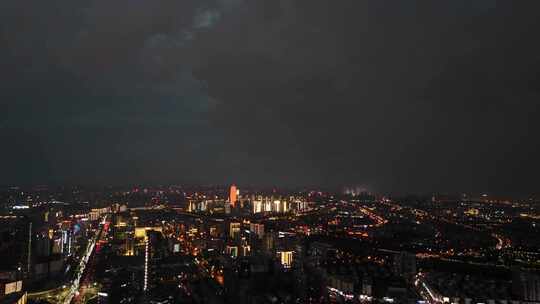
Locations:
{"points": [[154, 250], [276, 207], [257, 229], [232, 250], [286, 258], [269, 242], [275, 204], [146, 263], [267, 205], [233, 195], [257, 205], [245, 250], [234, 230], [66, 242]]}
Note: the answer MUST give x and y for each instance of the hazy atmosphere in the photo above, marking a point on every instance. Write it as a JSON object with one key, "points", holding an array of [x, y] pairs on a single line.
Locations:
{"points": [[395, 96]]}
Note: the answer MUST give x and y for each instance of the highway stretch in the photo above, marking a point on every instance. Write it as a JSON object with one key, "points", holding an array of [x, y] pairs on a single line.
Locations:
{"points": [[74, 288]]}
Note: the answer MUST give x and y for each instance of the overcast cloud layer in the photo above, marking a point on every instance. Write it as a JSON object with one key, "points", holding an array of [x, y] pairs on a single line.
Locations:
{"points": [[399, 96]]}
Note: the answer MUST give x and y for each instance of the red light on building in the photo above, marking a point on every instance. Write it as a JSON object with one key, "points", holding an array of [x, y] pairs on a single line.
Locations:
{"points": [[233, 195]]}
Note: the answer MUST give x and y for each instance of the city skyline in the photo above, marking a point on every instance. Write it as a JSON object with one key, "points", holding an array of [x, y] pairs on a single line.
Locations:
{"points": [[74, 245], [225, 189]]}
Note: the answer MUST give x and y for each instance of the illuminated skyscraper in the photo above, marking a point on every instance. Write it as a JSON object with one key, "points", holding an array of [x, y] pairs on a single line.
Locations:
{"points": [[233, 195], [257, 206], [276, 206], [234, 230], [286, 258], [146, 258]]}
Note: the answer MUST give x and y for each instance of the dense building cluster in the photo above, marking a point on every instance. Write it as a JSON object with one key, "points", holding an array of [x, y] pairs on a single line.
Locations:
{"points": [[221, 245]]}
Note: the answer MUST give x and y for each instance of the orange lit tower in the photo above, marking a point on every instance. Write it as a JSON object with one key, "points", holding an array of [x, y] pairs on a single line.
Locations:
{"points": [[233, 195]]}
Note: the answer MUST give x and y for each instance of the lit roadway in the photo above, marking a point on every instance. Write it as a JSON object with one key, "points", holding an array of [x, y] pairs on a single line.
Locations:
{"points": [[427, 293], [88, 288], [74, 288], [379, 220]]}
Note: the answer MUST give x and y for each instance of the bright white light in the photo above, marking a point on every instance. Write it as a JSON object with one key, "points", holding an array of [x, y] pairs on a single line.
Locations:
{"points": [[146, 265]]}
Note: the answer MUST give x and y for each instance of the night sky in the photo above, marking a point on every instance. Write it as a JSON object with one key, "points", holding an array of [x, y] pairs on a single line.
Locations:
{"points": [[401, 96]]}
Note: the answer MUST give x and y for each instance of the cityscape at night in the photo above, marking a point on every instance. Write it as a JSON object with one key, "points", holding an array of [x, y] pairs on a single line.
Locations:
{"points": [[174, 244], [269, 152]]}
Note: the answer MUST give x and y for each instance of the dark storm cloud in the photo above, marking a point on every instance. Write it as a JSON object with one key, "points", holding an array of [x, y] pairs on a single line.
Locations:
{"points": [[408, 96], [401, 96], [100, 91]]}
